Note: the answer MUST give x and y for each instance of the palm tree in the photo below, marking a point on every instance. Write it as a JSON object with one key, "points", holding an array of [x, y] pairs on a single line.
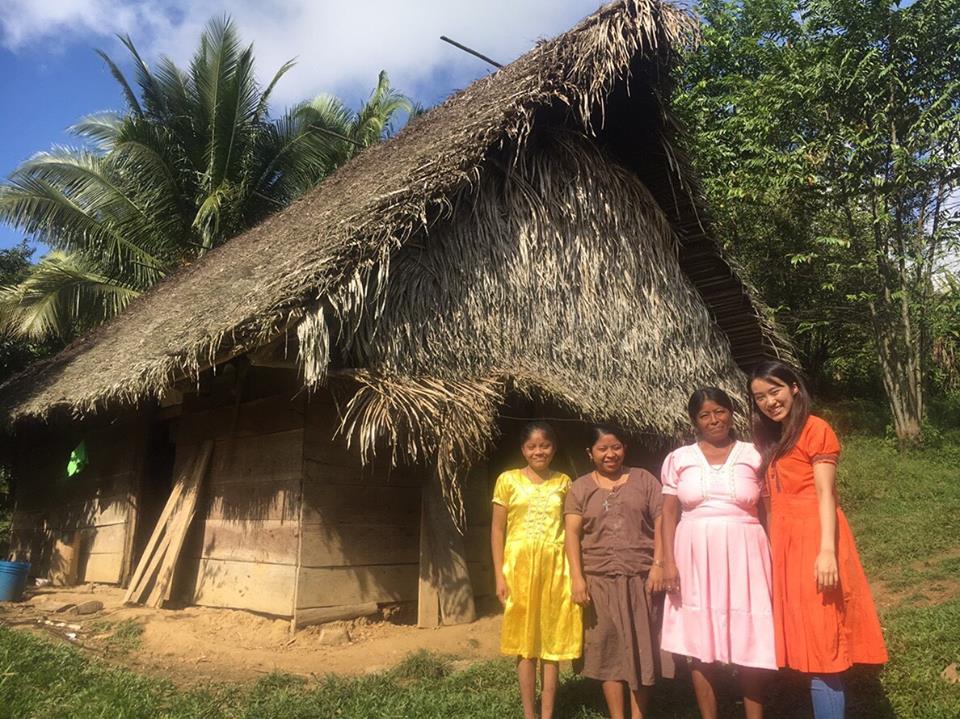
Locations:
{"points": [[192, 161]]}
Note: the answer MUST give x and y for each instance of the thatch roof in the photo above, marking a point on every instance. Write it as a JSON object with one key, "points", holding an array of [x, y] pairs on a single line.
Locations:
{"points": [[337, 241]]}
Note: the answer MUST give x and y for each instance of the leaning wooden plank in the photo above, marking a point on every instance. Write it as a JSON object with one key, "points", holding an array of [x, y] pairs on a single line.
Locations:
{"points": [[320, 615], [139, 593], [158, 530], [179, 524]]}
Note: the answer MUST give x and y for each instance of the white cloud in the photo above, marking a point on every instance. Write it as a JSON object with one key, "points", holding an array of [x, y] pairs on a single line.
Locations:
{"points": [[340, 45]]}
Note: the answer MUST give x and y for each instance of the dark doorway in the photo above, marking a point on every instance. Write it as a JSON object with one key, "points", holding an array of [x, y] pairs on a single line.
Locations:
{"points": [[156, 484]]}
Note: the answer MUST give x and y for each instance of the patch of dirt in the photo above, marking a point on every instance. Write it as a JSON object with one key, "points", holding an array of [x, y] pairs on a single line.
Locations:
{"points": [[929, 583], [197, 644]]}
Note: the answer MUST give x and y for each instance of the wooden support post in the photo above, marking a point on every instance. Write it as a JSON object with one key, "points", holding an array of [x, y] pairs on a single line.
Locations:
{"points": [[443, 564], [428, 595]]}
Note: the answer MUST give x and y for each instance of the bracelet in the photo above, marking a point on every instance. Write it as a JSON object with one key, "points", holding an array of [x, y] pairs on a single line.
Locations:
{"points": [[658, 563]]}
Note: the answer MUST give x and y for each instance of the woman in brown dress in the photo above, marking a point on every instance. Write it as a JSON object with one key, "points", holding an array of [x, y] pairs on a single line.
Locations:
{"points": [[612, 518]]}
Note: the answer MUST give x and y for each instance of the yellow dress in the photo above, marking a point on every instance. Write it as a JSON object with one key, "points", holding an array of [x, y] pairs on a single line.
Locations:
{"points": [[540, 619]]}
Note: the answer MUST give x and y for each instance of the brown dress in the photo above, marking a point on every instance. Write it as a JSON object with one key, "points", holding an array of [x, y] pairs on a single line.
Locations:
{"points": [[621, 623]]}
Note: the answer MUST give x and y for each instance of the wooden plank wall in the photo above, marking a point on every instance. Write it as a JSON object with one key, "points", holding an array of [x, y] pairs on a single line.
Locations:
{"points": [[242, 551], [97, 504], [361, 540], [360, 531], [477, 494]]}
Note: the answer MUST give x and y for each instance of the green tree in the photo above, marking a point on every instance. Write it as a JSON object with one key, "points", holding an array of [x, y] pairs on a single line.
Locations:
{"points": [[193, 160], [828, 132], [17, 352]]}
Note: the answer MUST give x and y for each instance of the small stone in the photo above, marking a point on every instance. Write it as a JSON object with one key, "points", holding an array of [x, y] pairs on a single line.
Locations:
{"points": [[332, 636], [951, 674], [91, 607]]}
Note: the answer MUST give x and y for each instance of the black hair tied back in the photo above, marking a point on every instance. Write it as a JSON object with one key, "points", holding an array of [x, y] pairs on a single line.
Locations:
{"points": [[708, 394], [538, 425], [601, 430]]}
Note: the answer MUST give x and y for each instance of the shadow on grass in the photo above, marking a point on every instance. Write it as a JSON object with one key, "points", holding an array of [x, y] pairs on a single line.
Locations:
{"points": [[788, 698]]}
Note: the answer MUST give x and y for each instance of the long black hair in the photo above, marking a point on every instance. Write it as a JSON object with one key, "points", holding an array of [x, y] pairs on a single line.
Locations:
{"points": [[775, 439]]}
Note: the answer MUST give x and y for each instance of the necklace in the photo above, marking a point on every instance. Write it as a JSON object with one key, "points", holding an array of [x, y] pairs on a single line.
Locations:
{"points": [[613, 489]]}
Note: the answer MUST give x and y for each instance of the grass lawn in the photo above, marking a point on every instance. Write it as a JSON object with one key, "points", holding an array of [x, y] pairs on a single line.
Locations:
{"points": [[905, 510]]}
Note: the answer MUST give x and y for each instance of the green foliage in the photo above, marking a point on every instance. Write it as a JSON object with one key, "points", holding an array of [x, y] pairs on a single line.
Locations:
{"points": [[193, 160], [15, 352], [826, 132]]}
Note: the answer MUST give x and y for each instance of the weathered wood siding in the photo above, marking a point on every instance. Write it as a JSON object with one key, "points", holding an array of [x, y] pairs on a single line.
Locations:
{"points": [[360, 531], [98, 504], [242, 552]]}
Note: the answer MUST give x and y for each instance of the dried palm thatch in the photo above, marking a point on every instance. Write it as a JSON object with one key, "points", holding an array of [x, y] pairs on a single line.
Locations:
{"points": [[559, 275], [332, 250]]}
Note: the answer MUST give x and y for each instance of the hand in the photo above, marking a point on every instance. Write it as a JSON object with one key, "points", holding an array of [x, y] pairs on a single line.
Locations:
{"points": [[654, 583], [579, 591], [502, 590], [825, 571], [670, 578]]}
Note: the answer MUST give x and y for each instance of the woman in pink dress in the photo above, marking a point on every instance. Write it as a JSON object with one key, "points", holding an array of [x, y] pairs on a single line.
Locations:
{"points": [[717, 557]]}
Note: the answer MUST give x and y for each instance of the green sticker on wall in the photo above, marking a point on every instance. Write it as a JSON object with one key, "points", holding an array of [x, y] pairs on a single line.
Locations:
{"points": [[78, 459]]}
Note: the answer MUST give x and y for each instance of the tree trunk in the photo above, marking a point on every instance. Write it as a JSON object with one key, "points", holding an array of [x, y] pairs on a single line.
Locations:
{"points": [[899, 355]]}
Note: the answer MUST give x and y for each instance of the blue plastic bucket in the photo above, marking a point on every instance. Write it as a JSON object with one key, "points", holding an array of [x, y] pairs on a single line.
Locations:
{"points": [[13, 578]]}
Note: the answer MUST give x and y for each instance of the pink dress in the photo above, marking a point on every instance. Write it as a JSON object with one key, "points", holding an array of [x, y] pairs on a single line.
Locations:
{"points": [[723, 612]]}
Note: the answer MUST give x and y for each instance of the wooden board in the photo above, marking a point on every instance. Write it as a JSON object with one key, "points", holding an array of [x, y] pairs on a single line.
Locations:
{"points": [[321, 615], [428, 593], [103, 540], [321, 470], [336, 545], [276, 457], [443, 563], [93, 512], [271, 541], [256, 418], [179, 525], [245, 501], [258, 587], [356, 585], [481, 579], [363, 504], [476, 544], [103, 568]]}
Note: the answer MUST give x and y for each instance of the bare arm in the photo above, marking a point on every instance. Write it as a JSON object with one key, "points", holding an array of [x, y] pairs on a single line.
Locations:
{"points": [[498, 534], [655, 577], [669, 518], [573, 526], [825, 567]]}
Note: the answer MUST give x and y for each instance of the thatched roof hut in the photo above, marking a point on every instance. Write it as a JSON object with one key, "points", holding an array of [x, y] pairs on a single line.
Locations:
{"points": [[538, 233]]}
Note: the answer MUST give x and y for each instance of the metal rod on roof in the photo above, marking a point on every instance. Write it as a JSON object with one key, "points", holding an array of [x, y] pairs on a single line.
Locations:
{"points": [[471, 51]]}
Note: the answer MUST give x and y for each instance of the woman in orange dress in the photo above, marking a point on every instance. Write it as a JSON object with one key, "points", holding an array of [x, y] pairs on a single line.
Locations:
{"points": [[824, 618]]}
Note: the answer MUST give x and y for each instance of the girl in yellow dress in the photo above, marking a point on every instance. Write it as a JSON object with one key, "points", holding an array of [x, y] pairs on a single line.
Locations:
{"points": [[540, 620]]}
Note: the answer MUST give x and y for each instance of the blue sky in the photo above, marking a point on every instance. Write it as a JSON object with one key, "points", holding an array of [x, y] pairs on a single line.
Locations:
{"points": [[50, 75]]}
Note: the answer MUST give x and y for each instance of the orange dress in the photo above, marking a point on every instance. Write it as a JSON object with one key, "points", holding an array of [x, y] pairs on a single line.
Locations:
{"points": [[816, 632]]}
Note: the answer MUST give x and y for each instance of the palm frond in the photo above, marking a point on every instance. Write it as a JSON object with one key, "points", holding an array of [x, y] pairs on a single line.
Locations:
{"points": [[128, 94], [49, 213], [62, 294], [153, 99], [101, 128], [263, 105]]}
